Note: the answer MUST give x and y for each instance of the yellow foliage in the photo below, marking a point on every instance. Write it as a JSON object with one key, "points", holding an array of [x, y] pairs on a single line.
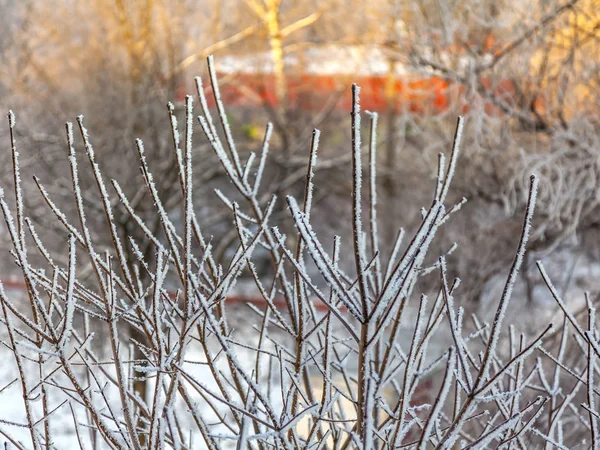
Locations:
{"points": [[566, 61]]}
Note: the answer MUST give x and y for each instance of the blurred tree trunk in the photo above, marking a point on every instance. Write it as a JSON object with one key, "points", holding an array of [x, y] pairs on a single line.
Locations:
{"points": [[271, 18]]}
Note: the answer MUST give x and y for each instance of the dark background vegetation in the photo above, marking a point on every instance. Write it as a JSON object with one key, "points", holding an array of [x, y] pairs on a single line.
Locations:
{"points": [[525, 76]]}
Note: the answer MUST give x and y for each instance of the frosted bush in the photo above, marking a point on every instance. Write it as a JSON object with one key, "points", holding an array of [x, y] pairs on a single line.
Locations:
{"points": [[337, 360]]}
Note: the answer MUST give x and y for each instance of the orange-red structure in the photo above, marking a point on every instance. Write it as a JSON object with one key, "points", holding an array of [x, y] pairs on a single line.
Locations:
{"points": [[310, 92]]}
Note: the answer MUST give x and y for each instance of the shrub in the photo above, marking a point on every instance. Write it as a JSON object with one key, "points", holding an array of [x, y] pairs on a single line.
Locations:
{"points": [[336, 360]]}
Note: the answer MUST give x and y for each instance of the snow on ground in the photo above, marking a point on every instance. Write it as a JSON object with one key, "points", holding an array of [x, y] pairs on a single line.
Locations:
{"points": [[62, 421], [12, 410], [570, 274]]}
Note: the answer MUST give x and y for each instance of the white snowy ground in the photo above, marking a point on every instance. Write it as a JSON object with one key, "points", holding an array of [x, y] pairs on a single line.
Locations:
{"points": [[12, 410], [62, 422], [574, 276]]}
